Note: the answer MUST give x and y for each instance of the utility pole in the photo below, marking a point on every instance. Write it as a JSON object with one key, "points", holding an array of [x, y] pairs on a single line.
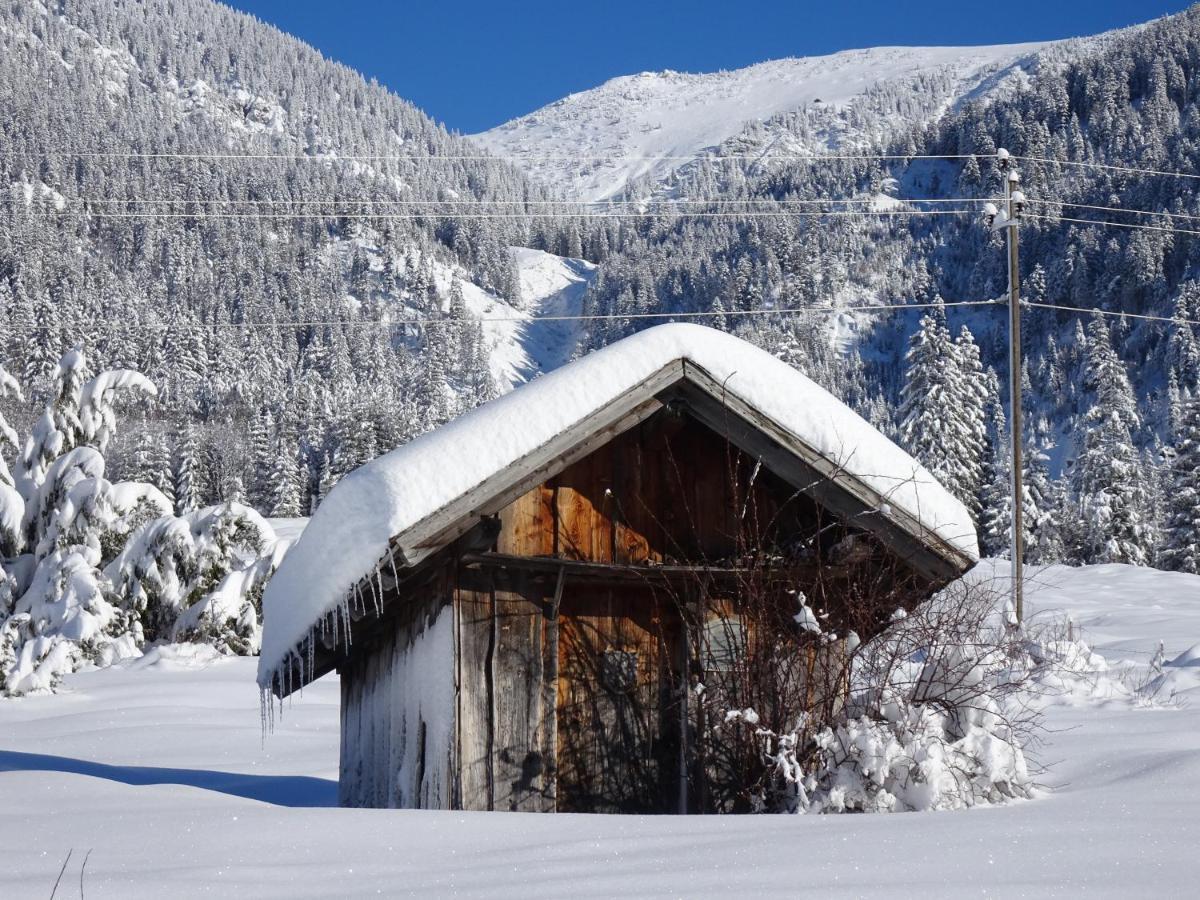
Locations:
{"points": [[1008, 219]]}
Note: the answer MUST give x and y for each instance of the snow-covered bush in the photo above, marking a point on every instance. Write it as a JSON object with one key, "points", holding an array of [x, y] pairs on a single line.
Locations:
{"points": [[91, 571], [936, 715], [198, 576]]}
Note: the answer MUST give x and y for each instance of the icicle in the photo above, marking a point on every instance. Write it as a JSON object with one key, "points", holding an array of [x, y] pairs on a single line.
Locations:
{"points": [[379, 577], [374, 599], [345, 609]]}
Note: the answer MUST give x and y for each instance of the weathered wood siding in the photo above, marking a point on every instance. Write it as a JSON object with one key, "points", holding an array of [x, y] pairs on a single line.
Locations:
{"points": [[618, 703], [397, 741], [669, 488], [506, 724]]}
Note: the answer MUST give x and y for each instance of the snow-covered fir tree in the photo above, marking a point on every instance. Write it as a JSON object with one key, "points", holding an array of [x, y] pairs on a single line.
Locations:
{"points": [[285, 482], [942, 406], [1181, 544], [1113, 521], [77, 566], [151, 463], [186, 474]]}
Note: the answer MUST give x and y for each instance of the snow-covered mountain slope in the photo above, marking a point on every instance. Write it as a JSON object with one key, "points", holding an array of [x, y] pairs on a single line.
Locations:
{"points": [[527, 338], [656, 122], [524, 337], [170, 745]]}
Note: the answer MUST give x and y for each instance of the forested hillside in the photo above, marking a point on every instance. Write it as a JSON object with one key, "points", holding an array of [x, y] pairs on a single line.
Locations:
{"points": [[182, 185], [1106, 398], [176, 177]]}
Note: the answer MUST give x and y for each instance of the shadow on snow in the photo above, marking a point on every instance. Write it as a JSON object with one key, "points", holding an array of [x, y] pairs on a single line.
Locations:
{"points": [[281, 790]]}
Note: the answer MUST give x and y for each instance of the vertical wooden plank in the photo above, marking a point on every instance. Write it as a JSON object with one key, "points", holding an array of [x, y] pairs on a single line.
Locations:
{"points": [[526, 524], [475, 698], [617, 739], [548, 744], [632, 519], [347, 771], [518, 763]]}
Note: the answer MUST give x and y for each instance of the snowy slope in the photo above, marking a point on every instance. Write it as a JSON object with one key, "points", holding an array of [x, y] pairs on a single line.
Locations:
{"points": [[160, 770], [644, 118], [524, 338]]}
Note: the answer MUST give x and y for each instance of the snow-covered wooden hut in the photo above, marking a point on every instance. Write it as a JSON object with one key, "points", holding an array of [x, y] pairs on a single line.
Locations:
{"points": [[505, 596]]}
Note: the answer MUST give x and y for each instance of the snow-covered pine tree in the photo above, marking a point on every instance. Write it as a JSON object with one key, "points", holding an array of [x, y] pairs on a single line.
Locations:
{"points": [[995, 520], [968, 421], [927, 392], [942, 406], [262, 457], [151, 462], [1181, 534], [1044, 539], [286, 482], [69, 601], [1113, 522], [186, 473], [12, 505]]}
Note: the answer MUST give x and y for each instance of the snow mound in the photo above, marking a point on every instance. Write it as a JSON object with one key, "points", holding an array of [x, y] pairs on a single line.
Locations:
{"points": [[177, 657], [1189, 658], [377, 504]]}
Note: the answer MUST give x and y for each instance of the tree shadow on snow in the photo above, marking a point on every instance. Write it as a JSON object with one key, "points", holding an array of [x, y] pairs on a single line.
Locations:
{"points": [[281, 790]]}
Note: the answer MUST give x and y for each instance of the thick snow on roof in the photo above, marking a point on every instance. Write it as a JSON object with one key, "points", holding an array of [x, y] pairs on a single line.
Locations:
{"points": [[350, 532]]}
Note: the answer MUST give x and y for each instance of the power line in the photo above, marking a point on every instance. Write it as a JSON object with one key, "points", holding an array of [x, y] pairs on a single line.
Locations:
{"points": [[511, 157], [1105, 166], [1135, 226], [484, 202], [1117, 209], [678, 214], [1108, 312], [517, 320], [573, 157], [707, 314]]}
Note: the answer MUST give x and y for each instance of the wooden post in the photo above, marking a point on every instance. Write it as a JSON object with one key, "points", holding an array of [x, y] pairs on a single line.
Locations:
{"points": [[1014, 390]]}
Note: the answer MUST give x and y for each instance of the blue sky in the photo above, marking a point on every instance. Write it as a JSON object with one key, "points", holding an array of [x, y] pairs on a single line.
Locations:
{"points": [[474, 64]]}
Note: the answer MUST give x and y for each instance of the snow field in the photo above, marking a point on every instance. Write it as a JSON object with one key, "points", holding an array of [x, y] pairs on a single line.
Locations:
{"points": [[160, 768]]}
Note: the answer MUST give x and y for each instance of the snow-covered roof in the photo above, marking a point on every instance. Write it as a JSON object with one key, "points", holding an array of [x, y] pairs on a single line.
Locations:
{"points": [[406, 498]]}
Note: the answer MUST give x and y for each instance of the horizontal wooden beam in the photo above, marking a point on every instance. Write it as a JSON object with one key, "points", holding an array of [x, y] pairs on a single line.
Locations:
{"points": [[552, 565]]}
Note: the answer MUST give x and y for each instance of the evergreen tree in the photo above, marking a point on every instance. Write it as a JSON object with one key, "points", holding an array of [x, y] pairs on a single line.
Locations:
{"points": [[151, 463], [943, 407], [928, 391], [967, 437], [263, 459], [1181, 544], [1111, 498], [286, 482], [187, 474]]}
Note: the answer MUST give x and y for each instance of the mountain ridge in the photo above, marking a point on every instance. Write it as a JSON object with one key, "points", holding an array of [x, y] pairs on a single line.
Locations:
{"points": [[631, 133]]}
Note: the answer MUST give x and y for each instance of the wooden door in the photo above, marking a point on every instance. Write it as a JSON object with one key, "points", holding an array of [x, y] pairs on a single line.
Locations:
{"points": [[618, 704]]}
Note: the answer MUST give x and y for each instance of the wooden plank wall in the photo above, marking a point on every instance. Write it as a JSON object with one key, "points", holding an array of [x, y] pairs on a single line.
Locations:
{"points": [[663, 490], [506, 722]]}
